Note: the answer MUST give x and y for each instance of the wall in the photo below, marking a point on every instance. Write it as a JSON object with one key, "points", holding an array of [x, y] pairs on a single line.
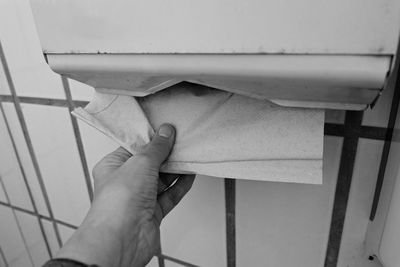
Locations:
{"points": [[46, 157]]}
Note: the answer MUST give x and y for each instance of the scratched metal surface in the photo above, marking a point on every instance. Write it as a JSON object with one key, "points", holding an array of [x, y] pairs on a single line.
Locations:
{"points": [[218, 26]]}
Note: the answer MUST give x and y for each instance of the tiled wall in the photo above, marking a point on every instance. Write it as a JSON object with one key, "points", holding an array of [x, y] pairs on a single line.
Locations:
{"points": [[46, 159]]}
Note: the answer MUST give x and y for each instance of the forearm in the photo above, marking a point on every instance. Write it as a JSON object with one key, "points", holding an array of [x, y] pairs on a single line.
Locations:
{"points": [[99, 239], [92, 244]]}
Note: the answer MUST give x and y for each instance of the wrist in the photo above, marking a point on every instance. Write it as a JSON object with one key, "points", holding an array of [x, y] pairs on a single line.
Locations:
{"points": [[99, 240]]}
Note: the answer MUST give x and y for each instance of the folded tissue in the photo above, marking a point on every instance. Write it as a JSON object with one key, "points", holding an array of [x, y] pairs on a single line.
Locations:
{"points": [[218, 133]]}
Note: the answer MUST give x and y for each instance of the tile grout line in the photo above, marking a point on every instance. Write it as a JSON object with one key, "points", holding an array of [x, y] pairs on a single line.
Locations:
{"points": [[230, 221], [367, 132], [36, 100], [331, 129], [17, 223], [78, 138], [38, 215], [55, 102], [32, 199], [181, 262], [347, 160], [3, 256], [27, 139], [160, 259]]}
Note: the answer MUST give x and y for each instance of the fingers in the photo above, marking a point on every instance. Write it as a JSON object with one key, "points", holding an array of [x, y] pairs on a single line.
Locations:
{"points": [[158, 149], [112, 161], [119, 155], [171, 197]]}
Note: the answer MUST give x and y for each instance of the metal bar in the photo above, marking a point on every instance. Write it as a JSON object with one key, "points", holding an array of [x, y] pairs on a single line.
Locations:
{"points": [[351, 128], [27, 138], [230, 206], [78, 138]]}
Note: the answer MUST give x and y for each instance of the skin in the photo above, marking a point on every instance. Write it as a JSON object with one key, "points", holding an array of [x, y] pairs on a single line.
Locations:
{"points": [[131, 197]]}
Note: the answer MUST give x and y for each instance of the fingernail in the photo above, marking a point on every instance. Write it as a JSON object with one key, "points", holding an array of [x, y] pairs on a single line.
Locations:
{"points": [[165, 131]]}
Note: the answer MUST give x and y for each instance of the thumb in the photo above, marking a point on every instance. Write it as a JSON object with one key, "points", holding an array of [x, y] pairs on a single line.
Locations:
{"points": [[158, 149]]}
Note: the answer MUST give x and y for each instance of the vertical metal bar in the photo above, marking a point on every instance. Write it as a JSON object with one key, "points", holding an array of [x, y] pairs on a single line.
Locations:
{"points": [[25, 180], [78, 137], [17, 223], [230, 206], [28, 139], [349, 150]]}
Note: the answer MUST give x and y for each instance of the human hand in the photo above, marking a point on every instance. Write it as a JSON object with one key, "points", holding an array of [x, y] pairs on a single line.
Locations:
{"points": [[130, 199]]}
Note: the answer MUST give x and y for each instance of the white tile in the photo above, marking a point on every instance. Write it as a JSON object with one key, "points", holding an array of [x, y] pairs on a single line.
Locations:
{"points": [[65, 232], [96, 144], [195, 230], [51, 236], [4, 89], [24, 155], [11, 241], [282, 224], [10, 172], [360, 201], [153, 262], [80, 91], [30, 73], [38, 80], [55, 146], [34, 238]]}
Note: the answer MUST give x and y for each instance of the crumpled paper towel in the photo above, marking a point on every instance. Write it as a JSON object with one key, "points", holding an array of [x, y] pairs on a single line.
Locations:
{"points": [[218, 133]]}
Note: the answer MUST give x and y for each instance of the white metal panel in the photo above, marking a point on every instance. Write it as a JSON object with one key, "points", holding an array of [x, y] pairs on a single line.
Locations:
{"points": [[218, 26], [329, 81]]}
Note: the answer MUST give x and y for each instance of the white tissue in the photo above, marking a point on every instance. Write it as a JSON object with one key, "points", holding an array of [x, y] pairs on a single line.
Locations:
{"points": [[218, 133]]}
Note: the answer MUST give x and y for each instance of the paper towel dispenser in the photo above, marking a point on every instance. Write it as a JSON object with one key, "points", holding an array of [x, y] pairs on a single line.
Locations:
{"points": [[307, 53]]}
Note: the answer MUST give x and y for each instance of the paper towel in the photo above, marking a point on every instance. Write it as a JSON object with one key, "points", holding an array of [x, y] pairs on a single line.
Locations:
{"points": [[218, 133]]}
